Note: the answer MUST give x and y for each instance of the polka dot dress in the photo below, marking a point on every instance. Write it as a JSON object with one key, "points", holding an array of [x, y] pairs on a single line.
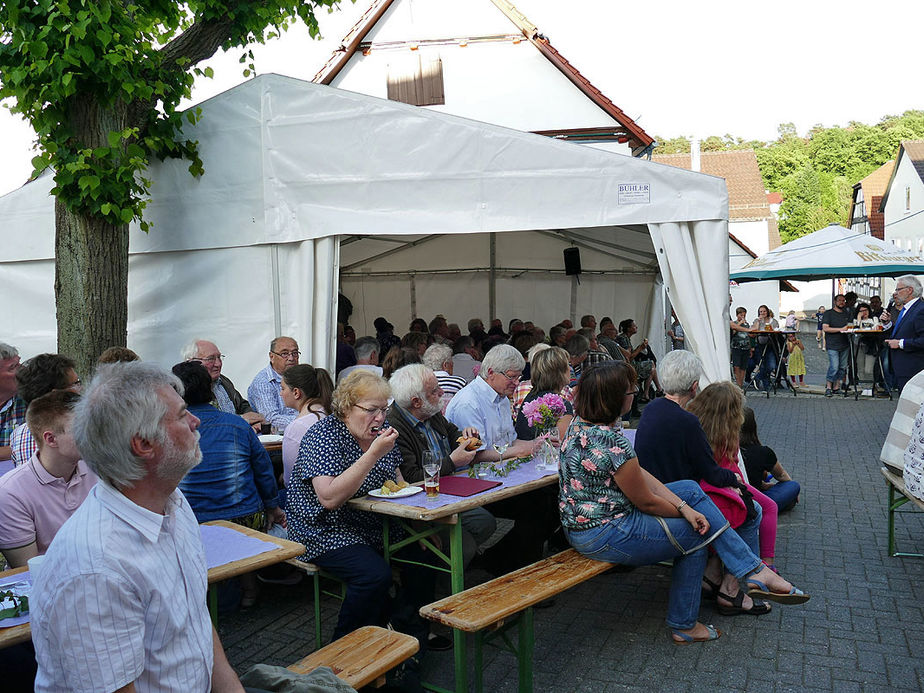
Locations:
{"points": [[329, 449]]}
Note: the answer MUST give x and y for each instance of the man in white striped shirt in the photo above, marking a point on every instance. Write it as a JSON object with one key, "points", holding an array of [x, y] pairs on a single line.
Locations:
{"points": [[120, 601]]}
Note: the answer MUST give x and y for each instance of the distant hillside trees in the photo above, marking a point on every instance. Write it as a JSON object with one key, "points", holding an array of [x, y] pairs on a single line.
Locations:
{"points": [[816, 173]]}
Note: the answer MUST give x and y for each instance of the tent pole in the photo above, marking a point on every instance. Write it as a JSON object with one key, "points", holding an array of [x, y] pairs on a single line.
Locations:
{"points": [[413, 287], [277, 309], [574, 286], [492, 276]]}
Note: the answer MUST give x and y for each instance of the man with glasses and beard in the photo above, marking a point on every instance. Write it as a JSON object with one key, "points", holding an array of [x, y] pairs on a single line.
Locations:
{"points": [[265, 392], [120, 601]]}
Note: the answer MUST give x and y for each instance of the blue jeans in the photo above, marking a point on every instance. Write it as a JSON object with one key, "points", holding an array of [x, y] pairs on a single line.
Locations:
{"points": [[767, 366], [837, 364], [638, 539], [784, 494]]}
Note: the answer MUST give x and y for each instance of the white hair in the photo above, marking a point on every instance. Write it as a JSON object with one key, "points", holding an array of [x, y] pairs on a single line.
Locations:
{"points": [[191, 349], [678, 371], [911, 282], [501, 359], [121, 402], [408, 382], [535, 349], [7, 351], [436, 355]]}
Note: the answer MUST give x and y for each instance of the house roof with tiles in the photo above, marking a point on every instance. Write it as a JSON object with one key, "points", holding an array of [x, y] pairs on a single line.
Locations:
{"points": [[747, 198]]}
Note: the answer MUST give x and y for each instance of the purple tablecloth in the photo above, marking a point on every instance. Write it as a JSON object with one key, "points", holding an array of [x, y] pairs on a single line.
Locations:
{"points": [[525, 472]]}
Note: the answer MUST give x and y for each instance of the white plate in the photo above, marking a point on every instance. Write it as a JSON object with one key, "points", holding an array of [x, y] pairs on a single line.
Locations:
{"points": [[408, 491], [270, 438]]}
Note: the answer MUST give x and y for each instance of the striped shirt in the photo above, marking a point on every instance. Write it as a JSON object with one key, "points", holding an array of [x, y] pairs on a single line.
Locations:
{"points": [[909, 403], [121, 598], [22, 445]]}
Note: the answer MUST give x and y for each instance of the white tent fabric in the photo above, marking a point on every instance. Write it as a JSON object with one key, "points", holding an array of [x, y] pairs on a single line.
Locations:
{"points": [[830, 253], [301, 178]]}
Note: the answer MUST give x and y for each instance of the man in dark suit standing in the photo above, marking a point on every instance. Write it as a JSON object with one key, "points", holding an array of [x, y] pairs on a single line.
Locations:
{"points": [[907, 338]]}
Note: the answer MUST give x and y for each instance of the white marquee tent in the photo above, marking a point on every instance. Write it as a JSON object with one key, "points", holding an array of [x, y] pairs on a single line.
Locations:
{"points": [[410, 210]]}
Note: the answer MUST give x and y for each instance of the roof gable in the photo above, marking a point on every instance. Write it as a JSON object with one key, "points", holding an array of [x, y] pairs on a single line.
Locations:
{"points": [[914, 151], [481, 21], [747, 198]]}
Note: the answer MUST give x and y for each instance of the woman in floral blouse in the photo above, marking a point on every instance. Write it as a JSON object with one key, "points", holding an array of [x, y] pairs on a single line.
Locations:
{"points": [[613, 510]]}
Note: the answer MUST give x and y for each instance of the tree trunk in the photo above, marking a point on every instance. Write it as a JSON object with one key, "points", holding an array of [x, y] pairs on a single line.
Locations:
{"points": [[91, 285]]}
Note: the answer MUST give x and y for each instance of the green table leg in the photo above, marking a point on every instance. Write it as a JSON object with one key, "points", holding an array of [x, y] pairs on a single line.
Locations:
{"points": [[457, 583], [213, 604], [525, 652]]}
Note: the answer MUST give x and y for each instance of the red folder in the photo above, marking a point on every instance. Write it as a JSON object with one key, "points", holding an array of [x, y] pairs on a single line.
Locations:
{"points": [[465, 486]]}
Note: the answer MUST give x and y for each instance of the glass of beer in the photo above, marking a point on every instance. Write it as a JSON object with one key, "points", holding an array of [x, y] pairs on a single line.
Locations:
{"points": [[431, 467]]}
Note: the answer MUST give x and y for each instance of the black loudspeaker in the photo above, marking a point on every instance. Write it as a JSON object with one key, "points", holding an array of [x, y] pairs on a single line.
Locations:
{"points": [[572, 260]]}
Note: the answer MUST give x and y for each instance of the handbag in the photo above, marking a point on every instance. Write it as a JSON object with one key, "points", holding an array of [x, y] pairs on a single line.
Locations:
{"points": [[731, 504]]}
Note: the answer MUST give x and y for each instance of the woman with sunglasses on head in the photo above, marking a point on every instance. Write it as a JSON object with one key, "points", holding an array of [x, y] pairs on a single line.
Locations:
{"points": [[346, 455], [613, 510]]}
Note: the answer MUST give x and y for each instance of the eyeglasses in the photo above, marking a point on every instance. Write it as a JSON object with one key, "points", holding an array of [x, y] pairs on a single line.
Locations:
{"points": [[633, 393], [374, 410], [512, 379], [900, 288], [287, 354], [210, 359]]}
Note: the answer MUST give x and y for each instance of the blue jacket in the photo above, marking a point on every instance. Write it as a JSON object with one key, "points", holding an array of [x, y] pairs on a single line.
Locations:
{"points": [[235, 477]]}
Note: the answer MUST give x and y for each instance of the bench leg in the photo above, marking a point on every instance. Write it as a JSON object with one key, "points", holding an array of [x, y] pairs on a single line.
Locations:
{"points": [[317, 610], [525, 651], [894, 505], [479, 661]]}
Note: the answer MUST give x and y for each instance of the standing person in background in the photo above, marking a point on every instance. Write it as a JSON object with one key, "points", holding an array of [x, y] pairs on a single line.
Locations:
{"points": [[767, 354], [819, 332], [678, 339], [740, 344], [796, 364], [834, 324], [907, 339]]}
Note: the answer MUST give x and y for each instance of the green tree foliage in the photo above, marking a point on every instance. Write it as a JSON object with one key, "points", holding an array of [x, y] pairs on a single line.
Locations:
{"points": [[100, 82], [816, 173]]}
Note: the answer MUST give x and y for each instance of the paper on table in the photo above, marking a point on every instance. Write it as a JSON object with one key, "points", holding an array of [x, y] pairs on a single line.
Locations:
{"points": [[24, 586], [223, 545]]}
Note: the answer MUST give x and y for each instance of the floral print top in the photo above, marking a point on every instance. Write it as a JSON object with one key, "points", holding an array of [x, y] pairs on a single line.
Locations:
{"points": [[587, 492]]}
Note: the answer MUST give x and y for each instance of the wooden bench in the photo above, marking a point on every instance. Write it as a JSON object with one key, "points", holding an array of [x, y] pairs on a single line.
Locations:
{"points": [[487, 610], [316, 573], [362, 657], [895, 482]]}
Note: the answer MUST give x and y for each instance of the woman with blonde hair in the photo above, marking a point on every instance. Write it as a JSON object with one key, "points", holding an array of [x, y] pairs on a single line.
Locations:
{"points": [[344, 456], [550, 375]]}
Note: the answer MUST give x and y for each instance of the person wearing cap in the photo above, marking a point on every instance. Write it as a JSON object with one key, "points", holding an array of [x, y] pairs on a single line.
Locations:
{"points": [[384, 332]]}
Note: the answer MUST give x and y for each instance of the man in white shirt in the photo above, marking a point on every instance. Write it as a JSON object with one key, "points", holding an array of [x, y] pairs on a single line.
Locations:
{"points": [[483, 404], [120, 601]]}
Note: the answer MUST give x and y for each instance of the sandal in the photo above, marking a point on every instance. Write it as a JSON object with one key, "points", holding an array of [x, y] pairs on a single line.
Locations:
{"points": [[714, 634], [761, 591], [709, 593], [759, 608]]}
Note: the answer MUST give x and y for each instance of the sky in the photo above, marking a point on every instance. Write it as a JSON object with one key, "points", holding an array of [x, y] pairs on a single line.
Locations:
{"points": [[678, 68]]}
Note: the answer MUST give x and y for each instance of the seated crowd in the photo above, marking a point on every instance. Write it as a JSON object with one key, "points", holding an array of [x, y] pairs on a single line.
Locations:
{"points": [[184, 446]]}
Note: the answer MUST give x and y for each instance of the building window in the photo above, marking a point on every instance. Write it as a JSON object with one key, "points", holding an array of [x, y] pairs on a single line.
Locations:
{"points": [[416, 79], [908, 198]]}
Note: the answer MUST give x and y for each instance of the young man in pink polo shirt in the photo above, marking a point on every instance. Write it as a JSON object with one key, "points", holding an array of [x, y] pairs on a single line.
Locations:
{"points": [[37, 497]]}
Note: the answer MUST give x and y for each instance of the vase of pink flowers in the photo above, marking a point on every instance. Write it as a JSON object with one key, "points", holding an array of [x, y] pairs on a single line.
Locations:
{"points": [[542, 415]]}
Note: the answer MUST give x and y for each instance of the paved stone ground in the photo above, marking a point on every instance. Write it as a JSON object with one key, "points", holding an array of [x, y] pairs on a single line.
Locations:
{"points": [[861, 631]]}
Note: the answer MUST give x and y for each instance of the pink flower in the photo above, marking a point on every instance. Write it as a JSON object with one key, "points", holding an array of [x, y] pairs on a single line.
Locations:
{"points": [[588, 465], [616, 450], [577, 485], [580, 519]]}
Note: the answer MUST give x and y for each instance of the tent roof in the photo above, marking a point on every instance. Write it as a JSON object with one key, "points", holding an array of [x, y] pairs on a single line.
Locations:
{"points": [[356, 39], [829, 253], [287, 160]]}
